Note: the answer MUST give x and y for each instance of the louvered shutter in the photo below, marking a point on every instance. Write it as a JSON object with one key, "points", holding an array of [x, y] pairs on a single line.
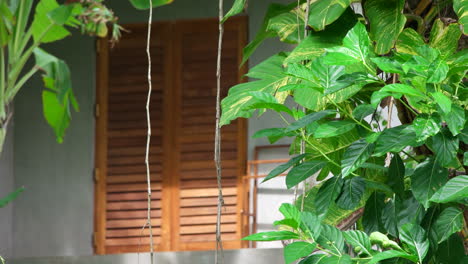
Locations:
{"points": [[197, 192], [184, 201]]}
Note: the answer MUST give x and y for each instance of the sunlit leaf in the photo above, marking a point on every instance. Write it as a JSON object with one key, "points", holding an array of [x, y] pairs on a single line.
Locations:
{"points": [[415, 237], [445, 38], [297, 250], [360, 239], [461, 8], [272, 236], [236, 8], [325, 12], [145, 4], [331, 238], [44, 28], [455, 189]]}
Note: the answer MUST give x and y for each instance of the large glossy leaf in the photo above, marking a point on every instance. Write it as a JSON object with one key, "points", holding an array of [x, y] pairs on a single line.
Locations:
{"points": [[289, 27], [316, 101], [314, 45], [289, 211], [445, 38], [308, 119], [425, 126], [356, 48], [297, 250], [426, 179], [331, 238], [386, 22], [341, 259], [408, 210], [455, 119], [273, 134], [454, 190], [415, 237], [372, 216], [44, 28], [427, 64], [461, 8], [145, 4], [283, 167], [445, 147], [310, 224], [447, 223], [334, 128], [463, 136], [355, 155], [303, 171], [396, 90], [236, 8], [396, 174], [240, 99], [451, 251], [352, 192], [395, 139], [389, 65], [408, 41], [360, 239], [313, 259], [325, 12], [443, 101], [389, 218], [390, 254], [327, 194], [272, 236], [10, 197]]}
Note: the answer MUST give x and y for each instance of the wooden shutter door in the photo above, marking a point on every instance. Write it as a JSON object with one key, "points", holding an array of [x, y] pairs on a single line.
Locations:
{"points": [[194, 171], [121, 140]]}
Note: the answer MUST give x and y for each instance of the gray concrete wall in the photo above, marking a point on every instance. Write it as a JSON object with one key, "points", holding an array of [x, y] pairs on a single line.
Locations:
{"points": [[6, 186], [54, 217]]}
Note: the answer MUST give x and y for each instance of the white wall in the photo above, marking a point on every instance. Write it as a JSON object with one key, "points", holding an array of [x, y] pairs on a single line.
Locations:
{"points": [[54, 216]]}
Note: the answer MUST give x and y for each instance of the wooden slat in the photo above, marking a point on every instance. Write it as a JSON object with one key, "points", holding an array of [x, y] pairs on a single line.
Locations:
{"points": [[207, 237], [207, 210], [132, 214], [135, 187], [132, 205], [131, 223], [132, 241], [133, 232], [190, 202], [208, 219], [203, 229], [132, 196], [209, 192]]}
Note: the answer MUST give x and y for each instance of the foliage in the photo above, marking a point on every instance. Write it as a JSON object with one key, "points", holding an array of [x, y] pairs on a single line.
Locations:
{"points": [[411, 179], [23, 32]]}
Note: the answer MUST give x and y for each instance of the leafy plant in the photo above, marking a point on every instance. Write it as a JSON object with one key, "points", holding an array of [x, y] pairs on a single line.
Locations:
{"points": [[348, 74], [23, 32]]}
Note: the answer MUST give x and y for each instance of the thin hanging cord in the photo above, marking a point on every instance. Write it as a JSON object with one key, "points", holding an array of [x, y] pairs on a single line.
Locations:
{"points": [[217, 148], [148, 139], [303, 146]]}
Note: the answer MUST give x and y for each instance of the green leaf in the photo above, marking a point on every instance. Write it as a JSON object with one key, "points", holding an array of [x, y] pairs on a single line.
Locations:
{"points": [[316, 101], [360, 239], [395, 139], [396, 90], [409, 210], [297, 250], [455, 119], [327, 194], [283, 167], [287, 26], [356, 48], [362, 111], [426, 179], [62, 14], [236, 8], [386, 22], [390, 254], [443, 101], [44, 29], [465, 158], [341, 259], [240, 99], [448, 222], [56, 114], [389, 65], [310, 224], [287, 222], [289, 211], [444, 38], [314, 45], [408, 41], [454, 190], [425, 126], [273, 134], [463, 136], [372, 216], [308, 119], [451, 251], [389, 218], [144, 4], [313, 259], [331, 238], [396, 175], [445, 147], [355, 155], [415, 237], [461, 8], [334, 128], [325, 12], [303, 171], [353, 190], [272, 236], [10, 197]]}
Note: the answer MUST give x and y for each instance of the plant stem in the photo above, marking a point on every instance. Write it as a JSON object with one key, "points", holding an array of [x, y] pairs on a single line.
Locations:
{"points": [[2, 84], [407, 106], [11, 93], [26, 39], [410, 156], [349, 115]]}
